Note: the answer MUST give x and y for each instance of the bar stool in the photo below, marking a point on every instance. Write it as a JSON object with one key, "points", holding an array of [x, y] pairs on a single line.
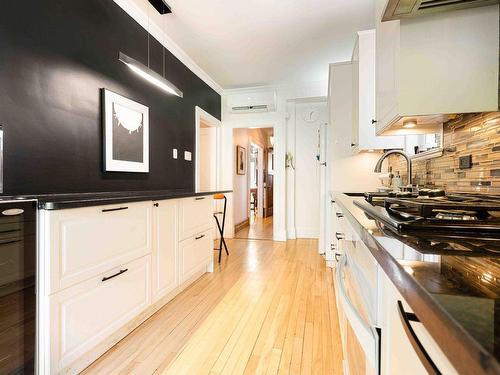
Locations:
{"points": [[221, 228]]}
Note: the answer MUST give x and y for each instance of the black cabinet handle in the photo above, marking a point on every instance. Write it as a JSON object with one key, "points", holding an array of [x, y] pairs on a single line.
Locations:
{"points": [[374, 121], [353, 144], [422, 354], [114, 209], [199, 198], [156, 204], [339, 214], [337, 257], [339, 236], [116, 274], [197, 238]]}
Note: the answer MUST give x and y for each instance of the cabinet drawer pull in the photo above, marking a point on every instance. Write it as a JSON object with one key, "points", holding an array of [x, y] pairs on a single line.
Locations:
{"points": [[339, 236], [197, 238], [374, 121], [339, 214], [156, 204], [114, 209], [199, 198], [422, 354], [116, 274]]}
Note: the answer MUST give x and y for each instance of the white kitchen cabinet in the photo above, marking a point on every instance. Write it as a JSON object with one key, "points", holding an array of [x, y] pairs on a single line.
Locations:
{"points": [[165, 257], [431, 66], [195, 253], [83, 242], [195, 215], [364, 130], [84, 315], [397, 353]]}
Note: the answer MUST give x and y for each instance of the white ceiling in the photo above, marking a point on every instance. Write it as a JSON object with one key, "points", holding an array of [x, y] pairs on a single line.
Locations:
{"points": [[256, 42]]}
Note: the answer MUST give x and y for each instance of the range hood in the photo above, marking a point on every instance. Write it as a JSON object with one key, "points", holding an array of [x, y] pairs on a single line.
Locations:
{"points": [[397, 9]]}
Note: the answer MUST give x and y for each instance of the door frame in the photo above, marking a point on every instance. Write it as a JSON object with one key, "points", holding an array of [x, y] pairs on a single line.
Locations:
{"points": [[202, 115]]}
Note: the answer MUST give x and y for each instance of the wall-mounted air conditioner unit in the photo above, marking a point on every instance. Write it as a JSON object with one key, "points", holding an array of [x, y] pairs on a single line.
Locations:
{"points": [[254, 102]]}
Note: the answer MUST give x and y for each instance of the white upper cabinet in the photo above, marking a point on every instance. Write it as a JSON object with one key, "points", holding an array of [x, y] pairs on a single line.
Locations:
{"points": [[433, 66], [363, 62]]}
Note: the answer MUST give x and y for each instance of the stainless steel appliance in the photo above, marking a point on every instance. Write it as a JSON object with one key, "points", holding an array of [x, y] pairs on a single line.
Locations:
{"points": [[452, 214], [17, 286]]}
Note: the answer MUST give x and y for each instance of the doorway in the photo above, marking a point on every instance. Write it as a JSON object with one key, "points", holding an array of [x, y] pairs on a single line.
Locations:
{"points": [[253, 183]]}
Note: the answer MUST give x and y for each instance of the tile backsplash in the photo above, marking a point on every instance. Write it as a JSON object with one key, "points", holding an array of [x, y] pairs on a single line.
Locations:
{"points": [[470, 134]]}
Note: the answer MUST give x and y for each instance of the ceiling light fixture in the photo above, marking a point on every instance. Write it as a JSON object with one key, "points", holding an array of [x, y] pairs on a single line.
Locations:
{"points": [[409, 124], [150, 75], [146, 72]]}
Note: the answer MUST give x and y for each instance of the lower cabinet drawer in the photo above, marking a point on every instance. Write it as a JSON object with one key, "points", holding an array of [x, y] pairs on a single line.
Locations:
{"points": [[84, 315], [195, 216], [84, 242], [195, 253]]}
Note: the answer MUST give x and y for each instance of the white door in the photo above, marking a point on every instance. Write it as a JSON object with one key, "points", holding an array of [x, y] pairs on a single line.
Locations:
{"points": [[309, 118]]}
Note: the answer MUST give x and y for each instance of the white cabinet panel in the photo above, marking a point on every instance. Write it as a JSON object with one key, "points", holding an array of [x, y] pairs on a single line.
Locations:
{"points": [[398, 355], [364, 72], [84, 315], [84, 242], [195, 253], [195, 215], [434, 65], [165, 245]]}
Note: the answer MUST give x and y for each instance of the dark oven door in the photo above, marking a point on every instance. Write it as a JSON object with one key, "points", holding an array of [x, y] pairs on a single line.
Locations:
{"points": [[17, 287]]}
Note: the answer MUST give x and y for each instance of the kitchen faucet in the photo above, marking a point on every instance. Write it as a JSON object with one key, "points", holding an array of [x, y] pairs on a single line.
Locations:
{"points": [[378, 166]]}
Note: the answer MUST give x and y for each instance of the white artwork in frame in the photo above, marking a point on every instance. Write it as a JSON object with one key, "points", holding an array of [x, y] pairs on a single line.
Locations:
{"points": [[126, 134]]}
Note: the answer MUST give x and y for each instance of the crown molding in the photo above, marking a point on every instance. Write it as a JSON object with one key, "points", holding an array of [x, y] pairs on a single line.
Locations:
{"points": [[141, 17]]}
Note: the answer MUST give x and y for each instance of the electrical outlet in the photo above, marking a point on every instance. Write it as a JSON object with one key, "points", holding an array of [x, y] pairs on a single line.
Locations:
{"points": [[187, 155], [465, 162], [174, 153]]}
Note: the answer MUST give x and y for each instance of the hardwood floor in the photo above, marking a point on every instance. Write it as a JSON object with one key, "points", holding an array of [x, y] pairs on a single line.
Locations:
{"points": [[269, 308], [259, 229]]}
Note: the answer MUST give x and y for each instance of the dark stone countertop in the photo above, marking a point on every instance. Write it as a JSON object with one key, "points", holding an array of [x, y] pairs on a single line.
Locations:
{"points": [[74, 200], [452, 285]]}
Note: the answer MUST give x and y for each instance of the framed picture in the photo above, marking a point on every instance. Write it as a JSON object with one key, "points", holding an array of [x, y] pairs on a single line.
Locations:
{"points": [[126, 134], [241, 160]]}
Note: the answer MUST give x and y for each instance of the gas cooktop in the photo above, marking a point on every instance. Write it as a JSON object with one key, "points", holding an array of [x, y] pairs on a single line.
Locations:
{"points": [[435, 212]]}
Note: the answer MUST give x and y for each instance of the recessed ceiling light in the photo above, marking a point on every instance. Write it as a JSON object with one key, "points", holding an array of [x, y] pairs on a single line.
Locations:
{"points": [[409, 124]]}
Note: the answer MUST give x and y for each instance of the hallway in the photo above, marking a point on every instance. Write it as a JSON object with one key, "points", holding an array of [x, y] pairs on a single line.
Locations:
{"points": [[268, 308], [258, 229]]}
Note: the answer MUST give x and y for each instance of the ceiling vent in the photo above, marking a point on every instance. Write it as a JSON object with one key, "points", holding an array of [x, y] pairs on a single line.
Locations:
{"points": [[161, 6], [254, 102], [397, 9]]}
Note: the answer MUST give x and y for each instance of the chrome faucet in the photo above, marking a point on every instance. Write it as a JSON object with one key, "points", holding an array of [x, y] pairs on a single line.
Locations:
{"points": [[378, 166]]}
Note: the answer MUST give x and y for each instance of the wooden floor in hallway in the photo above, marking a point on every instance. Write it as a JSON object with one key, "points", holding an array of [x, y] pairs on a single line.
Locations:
{"points": [[269, 308], [259, 229]]}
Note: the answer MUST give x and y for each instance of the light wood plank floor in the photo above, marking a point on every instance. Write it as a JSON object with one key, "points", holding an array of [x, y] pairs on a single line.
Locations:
{"points": [[259, 229], [269, 308]]}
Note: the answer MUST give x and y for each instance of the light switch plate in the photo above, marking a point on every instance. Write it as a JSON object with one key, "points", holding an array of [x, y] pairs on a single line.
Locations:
{"points": [[174, 153], [187, 155], [465, 162]]}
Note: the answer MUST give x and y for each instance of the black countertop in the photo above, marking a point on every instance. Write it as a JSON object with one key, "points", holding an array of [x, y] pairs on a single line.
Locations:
{"points": [[453, 286], [61, 201]]}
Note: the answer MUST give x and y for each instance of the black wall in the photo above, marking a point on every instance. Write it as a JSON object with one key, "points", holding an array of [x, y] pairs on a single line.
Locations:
{"points": [[55, 56]]}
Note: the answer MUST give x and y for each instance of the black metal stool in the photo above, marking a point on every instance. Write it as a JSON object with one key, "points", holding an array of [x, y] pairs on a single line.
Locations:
{"points": [[221, 228]]}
